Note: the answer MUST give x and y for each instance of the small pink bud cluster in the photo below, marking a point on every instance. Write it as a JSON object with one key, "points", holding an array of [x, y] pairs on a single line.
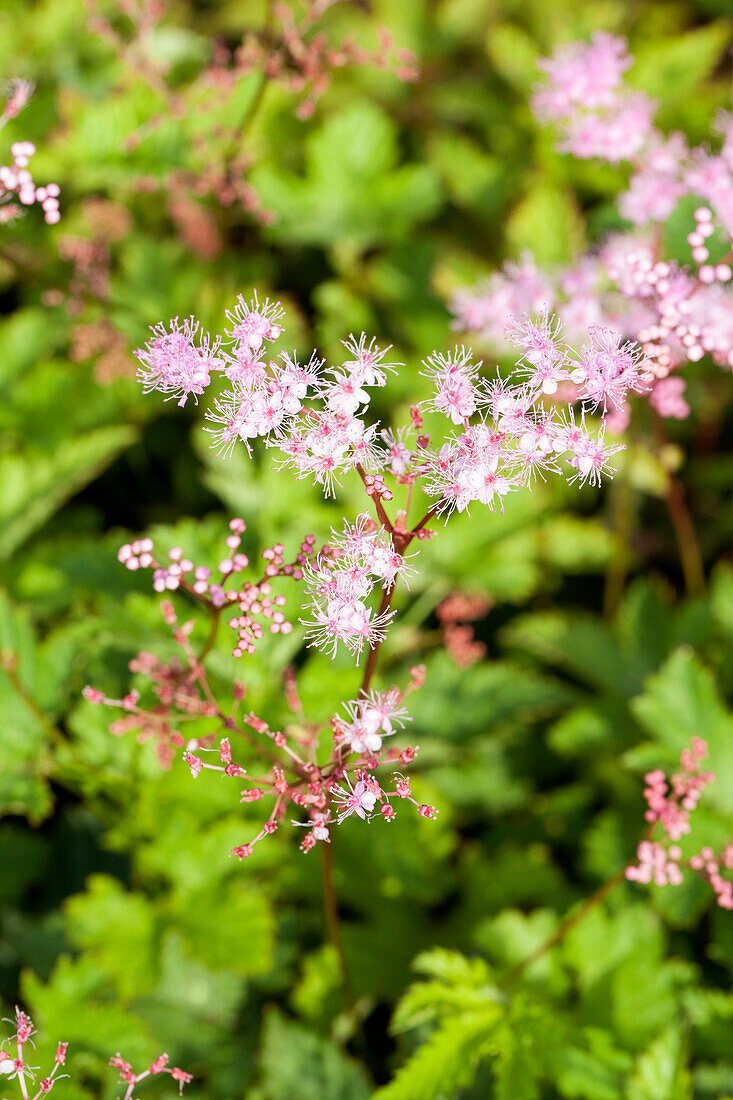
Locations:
{"points": [[14, 1065], [327, 791], [160, 1065], [179, 697], [670, 804], [711, 866], [303, 61], [16, 180], [293, 777], [657, 864], [255, 600]]}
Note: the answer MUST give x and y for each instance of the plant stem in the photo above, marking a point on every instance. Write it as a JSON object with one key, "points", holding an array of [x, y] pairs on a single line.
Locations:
{"points": [[563, 928], [251, 113], [8, 666], [688, 545], [691, 560], [371, 665], [622, 507], [333, 922], [213, 631]]}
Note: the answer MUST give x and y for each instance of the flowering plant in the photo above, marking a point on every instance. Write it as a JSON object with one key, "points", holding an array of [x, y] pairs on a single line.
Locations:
{"points": [[15, 1067], [504, 436], [412, 522]]}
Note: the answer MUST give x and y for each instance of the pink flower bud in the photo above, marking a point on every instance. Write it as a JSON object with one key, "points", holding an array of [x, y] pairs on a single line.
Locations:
{"points": [[234, 770], [241, 852]]}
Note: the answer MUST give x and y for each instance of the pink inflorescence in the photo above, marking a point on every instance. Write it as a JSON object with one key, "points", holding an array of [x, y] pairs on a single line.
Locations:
{"points": [[254, 600], [670, 802], [13, 1063], [499, 437], [160, 1065], [16, 179], [503, 433], [583, 93], [670, 313], [343, 787]]}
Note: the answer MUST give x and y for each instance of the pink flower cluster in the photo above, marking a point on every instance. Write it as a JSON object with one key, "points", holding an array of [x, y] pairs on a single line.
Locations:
{"points": [[662, 315], [315, 417], [599, 118], [328, 793], [502, 436], [325, 791], [16, 179], [341, 580], [670, 804], [160, 1065], [584, 94], [14, 1066], [175, 363], [674, 313]]}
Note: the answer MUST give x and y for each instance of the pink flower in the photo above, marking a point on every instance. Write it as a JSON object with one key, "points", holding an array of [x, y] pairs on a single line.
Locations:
{"points": [[358, 799], [254, 322], [540, 346], [173, 363], [608, 369], [453, 376]]}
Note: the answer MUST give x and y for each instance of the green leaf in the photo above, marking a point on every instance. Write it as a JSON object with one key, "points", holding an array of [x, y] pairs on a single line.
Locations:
{"points": [[547, 223], [354, 193], [35, 486], [672, 69], [233, 931], [295, 1062], [661, 1072], [448, 1060], [116, 929], [681, 702], [515, 55]]}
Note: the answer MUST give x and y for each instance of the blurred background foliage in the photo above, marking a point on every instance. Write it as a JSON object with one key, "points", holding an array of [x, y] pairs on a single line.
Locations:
{"points": [[124, 926]]}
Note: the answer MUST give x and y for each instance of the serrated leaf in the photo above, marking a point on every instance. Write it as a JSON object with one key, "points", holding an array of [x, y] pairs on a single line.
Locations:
{"points": [[35, 486], [296, 1062], [661, 1072], [448, 1060], [681, 702]]}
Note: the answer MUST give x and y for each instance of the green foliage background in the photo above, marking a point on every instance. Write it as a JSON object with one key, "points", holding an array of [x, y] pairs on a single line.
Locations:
{"points": [[124, 926]]}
